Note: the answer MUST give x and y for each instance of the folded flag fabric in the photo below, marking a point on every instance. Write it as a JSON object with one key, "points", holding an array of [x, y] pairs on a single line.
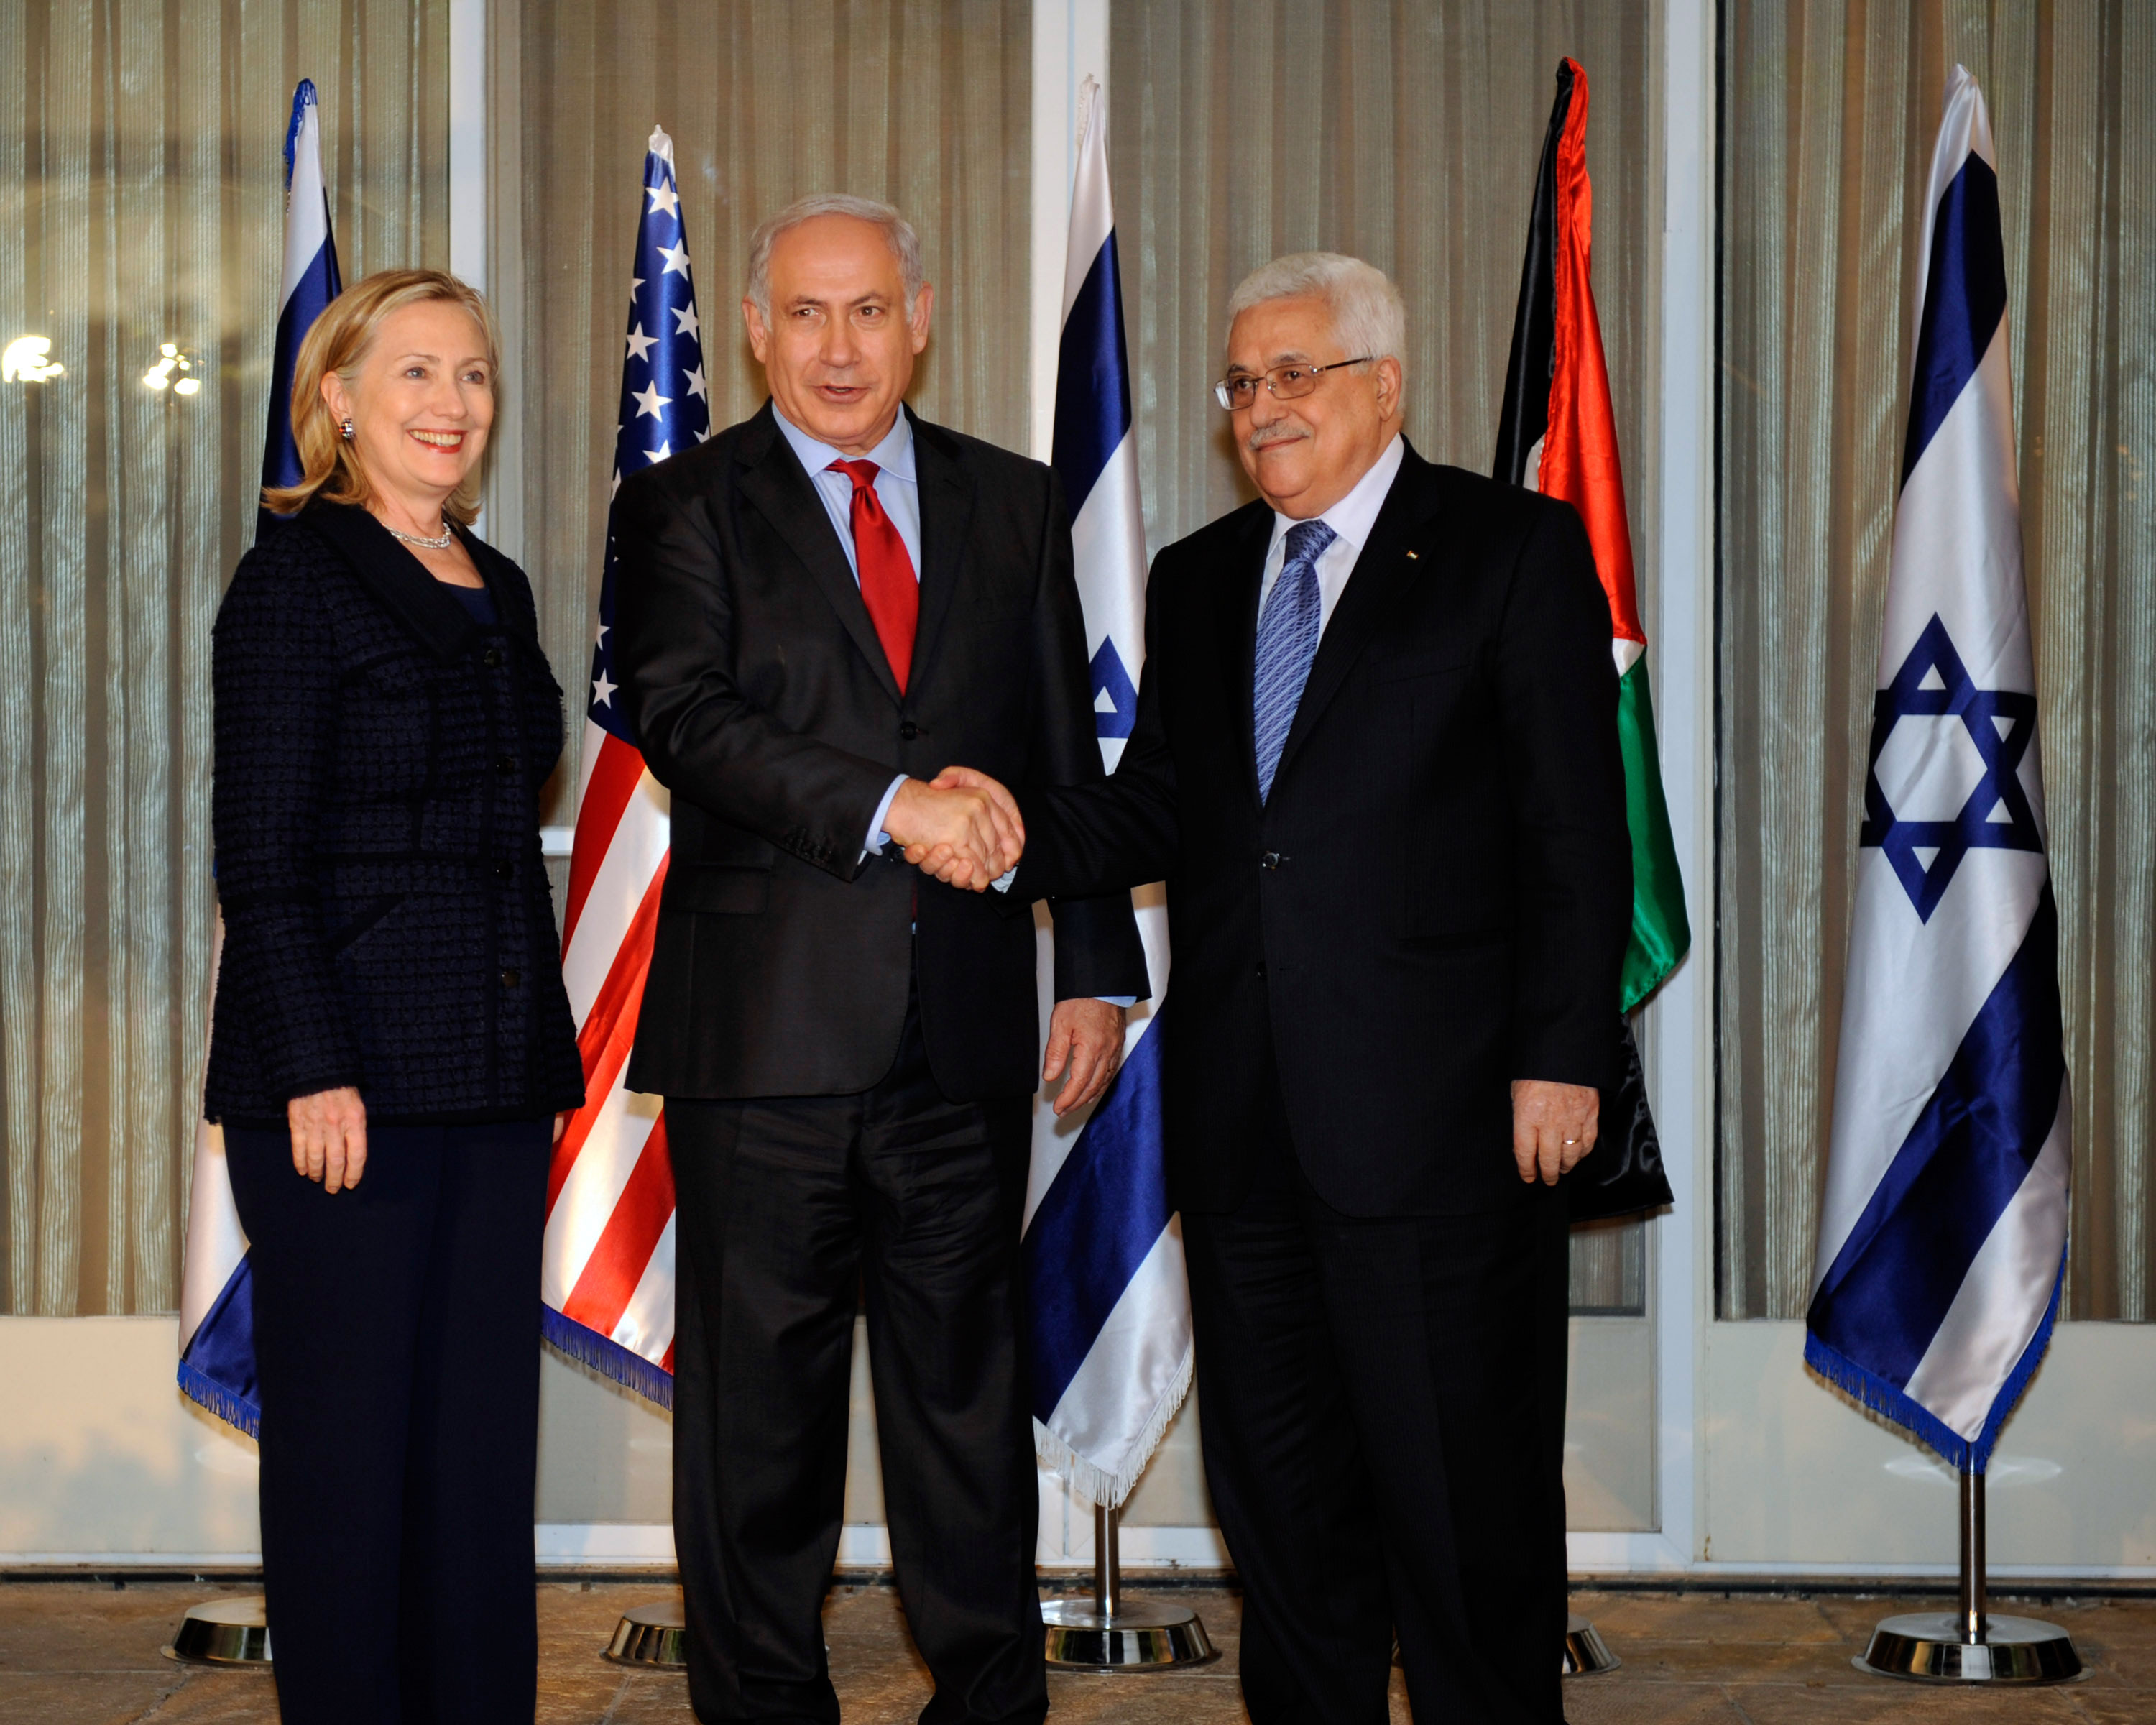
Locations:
{"points": [[607, 1275], [217, 1298], [1109, 1305], [1943, 1238], [311, 282], [1557, 434]]}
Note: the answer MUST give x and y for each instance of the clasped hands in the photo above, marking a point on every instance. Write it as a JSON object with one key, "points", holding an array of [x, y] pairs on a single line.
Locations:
{"points": [[964, 828], [961, 826]]}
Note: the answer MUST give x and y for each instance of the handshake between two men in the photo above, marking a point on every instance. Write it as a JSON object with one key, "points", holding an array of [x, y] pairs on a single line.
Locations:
{"points": [[961, 826]]}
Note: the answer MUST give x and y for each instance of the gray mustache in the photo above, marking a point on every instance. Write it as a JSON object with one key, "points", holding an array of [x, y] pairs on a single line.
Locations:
{"points": [[1272, 434]]}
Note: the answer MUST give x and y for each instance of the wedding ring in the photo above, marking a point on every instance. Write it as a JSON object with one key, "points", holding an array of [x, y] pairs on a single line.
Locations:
{"points": [[1568, 1141]]}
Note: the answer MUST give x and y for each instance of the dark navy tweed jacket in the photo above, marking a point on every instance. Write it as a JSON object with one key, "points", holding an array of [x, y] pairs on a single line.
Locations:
{"points": [[379, 757]]}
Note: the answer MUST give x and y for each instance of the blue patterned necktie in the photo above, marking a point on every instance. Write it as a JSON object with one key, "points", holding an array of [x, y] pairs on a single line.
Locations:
{"points": [[1287, 642]]}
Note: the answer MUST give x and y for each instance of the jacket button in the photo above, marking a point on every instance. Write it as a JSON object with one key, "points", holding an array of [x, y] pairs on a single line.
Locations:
{"points": [[908, 732], [504, 870], [505, 763], [511, 978], [491, 657], [1261, 966]]}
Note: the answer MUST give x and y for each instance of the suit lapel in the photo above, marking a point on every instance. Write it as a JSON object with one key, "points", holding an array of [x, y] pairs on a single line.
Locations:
{"points": [[1237, 614], [399, 580], [773, 480], [947, 513], [1383, 571], [510, 605]]}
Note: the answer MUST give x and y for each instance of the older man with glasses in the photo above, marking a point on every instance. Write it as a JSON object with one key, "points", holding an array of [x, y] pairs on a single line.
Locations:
{"points": [[1375, 757]]}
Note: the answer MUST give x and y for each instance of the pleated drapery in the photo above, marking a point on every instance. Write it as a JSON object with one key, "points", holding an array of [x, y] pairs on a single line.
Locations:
{"points": [[1830, 110], [1407, 134], [141, 203], [922, 103]]}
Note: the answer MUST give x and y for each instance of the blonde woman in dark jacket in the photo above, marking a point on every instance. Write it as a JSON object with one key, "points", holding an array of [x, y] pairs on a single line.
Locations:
{"points": [[392, 1050]]}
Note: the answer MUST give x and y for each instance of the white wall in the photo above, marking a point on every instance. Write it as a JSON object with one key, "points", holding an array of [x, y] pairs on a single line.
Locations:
{"points": [[103, 1461]]}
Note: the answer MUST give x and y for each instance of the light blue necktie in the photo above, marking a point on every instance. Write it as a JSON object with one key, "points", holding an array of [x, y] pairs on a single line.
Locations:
{"points": [[1287, 642]]}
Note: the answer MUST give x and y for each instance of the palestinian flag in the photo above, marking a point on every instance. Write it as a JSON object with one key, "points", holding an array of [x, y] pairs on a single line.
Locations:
{"points": [[1558, 436]]}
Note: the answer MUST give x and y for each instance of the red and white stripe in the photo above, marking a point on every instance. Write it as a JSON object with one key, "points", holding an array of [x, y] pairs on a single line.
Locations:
{"points": [[609, 1263]]}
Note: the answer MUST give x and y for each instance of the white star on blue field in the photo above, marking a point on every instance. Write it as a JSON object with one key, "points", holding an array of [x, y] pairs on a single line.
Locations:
{"points": [[665, 395]]}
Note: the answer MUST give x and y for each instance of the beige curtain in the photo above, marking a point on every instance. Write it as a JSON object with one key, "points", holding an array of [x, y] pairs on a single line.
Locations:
{"points": [[924, 104], [141, 202], [1830, 110], [1407, 134]]}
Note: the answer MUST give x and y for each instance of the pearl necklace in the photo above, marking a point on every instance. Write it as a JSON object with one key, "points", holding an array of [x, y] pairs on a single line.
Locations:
{"points": [[440, 544]]}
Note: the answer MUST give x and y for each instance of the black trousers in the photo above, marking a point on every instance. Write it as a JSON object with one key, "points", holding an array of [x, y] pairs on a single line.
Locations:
{"points": [[397, 1342], [789, 1210], [1375, 1444]]}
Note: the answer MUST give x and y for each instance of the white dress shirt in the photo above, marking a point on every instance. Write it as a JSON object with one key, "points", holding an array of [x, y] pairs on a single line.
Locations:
{"points": [[1352, 520]]}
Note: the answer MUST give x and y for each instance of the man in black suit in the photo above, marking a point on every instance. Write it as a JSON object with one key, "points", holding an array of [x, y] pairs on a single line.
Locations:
{"points": [[817, 608], [1375, 758]]}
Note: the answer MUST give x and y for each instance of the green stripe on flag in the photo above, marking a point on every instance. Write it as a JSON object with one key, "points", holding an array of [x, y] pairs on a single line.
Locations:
{"points": [[1661, 934]]}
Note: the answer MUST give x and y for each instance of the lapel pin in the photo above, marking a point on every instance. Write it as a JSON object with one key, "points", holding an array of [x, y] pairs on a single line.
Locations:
{"points": [[1414, 556]]}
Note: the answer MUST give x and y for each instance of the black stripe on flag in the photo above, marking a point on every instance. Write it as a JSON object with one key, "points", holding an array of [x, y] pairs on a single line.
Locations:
{"points": [[1526, 414]]}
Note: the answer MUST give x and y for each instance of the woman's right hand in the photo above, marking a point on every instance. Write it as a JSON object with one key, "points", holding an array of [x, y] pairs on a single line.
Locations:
{"points": [[329, 1136]]}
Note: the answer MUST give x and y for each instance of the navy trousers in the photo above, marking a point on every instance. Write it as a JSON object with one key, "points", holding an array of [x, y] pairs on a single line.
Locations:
{"points": [[397, 1342]]}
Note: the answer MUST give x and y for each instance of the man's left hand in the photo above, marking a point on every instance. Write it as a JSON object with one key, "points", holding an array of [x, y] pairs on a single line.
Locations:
{"points": [[1084, 1041], [1553, 1126]]}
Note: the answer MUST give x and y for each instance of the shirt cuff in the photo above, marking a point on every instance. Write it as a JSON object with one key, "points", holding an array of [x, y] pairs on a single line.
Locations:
{"points": [[1002, 882], [877, 838], [1126, 1001]]}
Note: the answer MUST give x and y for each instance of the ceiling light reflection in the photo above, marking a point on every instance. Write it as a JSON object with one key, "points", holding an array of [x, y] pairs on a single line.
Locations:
{"points": [[170, 360], [23, 360]]}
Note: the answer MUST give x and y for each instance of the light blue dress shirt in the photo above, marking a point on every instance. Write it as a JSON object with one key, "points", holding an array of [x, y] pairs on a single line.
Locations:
{"points": [[897, 486]]}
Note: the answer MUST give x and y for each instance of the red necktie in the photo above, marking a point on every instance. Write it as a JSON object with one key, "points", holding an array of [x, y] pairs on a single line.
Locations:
{"points": [[888, 587]]}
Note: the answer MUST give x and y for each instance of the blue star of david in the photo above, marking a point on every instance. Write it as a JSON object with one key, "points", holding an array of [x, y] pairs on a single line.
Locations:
{"points": [[1999, 721]]}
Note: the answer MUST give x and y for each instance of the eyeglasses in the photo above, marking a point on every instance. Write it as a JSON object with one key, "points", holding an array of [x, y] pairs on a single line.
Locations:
{"points": [[1286, 382]]}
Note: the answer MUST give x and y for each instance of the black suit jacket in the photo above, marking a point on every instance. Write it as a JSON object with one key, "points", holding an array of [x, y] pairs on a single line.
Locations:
{"points": [[763, 700], [1435, 899], [379, 757]]}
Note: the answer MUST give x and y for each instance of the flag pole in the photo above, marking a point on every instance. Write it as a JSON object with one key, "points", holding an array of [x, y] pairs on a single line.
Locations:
{"points": [[1972, 1557], [1111, 1633], [626, 836], [1968, 1645], [217, 1344], [1126, 1414], [1963, 1015]]}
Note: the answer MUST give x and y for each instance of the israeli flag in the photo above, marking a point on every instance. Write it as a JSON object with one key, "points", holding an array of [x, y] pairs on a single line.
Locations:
{"points": [[1943, 1240], [217, 1295], [311, 282], [1109, 1305]]}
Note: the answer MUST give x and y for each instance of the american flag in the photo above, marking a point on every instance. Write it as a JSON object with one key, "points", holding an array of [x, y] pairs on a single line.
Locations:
{"points": [[607, 1278]]}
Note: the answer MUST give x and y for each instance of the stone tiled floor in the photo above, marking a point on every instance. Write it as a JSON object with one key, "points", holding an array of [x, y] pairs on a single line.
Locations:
{"points": [[76, 1654]]}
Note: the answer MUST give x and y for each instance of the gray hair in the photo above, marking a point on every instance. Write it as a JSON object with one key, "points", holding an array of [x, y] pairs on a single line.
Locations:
{"points": [[905, 244], [1369, 315]]}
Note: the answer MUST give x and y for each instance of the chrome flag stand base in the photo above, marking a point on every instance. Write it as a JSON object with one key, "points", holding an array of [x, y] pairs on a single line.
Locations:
{"points": [[653, 1637], [1110, 1633], [1968, 1644], [1586, 1654], [233, 1635]]}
